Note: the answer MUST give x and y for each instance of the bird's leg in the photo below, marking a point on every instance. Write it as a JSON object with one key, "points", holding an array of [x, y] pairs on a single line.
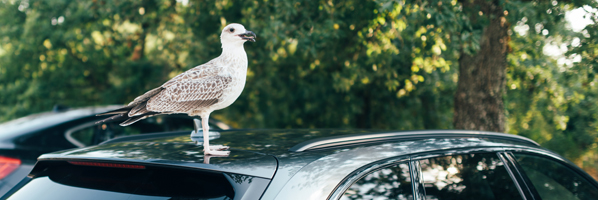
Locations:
{"points": [[206, 140]]}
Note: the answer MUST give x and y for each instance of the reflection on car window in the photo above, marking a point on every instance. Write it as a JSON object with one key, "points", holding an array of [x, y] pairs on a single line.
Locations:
{"points": [[470, 176], [96, 134], [555, 181], [387, 183]]}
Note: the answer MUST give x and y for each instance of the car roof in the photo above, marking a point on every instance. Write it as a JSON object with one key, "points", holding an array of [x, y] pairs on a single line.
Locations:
{"points": [[260, 152], [47, 119]]}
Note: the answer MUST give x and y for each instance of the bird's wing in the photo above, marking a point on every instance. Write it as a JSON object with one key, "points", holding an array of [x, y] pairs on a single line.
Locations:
{"points": [[196, 88], [200, 72]]}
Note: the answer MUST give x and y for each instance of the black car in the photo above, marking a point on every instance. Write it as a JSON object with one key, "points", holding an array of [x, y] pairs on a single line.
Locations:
{"points": [[310, 164], [23, 140]]}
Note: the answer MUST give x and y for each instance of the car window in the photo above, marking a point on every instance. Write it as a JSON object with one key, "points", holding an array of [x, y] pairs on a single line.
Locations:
{"points": [[46, 140], [469, 176], [554, 180], [97, 133], [392, 182], [63, 181]]}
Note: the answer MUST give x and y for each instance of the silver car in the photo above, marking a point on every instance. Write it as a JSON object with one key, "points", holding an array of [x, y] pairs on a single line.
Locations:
{"points": [[310, 164]]}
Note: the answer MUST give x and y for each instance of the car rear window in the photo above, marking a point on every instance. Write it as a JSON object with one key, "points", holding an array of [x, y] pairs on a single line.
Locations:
{"points": [[68, 181]]}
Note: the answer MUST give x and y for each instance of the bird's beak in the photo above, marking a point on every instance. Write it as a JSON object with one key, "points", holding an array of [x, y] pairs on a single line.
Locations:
{"points": [[248, 35]]}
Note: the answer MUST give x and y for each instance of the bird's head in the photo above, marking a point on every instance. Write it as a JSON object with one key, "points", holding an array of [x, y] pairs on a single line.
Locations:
{"points": [[235, 34]]}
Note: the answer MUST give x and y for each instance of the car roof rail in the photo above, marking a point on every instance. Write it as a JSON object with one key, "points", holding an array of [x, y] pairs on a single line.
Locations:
{"points": [[385, 136]]}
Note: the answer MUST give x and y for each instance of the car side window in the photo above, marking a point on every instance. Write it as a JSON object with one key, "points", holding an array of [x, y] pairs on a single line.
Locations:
{"points": [[553, 180], [469, 176], [392, 182]]}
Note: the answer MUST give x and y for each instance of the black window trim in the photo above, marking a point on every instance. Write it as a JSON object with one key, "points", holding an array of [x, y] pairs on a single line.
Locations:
{"points": [[417, 180], [519, 171], [497, 150], [413, 161], [551, 156], [521, 181], [361, 172], [522, 185]]}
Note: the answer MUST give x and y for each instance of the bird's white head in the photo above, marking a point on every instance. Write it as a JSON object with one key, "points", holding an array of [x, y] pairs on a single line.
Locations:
{"points": [[235, 35]]}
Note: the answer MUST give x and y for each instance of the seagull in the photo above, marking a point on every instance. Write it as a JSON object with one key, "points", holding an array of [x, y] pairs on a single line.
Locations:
{"points": [[199, 91]]}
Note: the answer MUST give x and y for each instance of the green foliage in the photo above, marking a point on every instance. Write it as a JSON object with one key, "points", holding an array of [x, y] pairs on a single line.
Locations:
{"points": [[321, 64], [384, 64], [553, 100]]}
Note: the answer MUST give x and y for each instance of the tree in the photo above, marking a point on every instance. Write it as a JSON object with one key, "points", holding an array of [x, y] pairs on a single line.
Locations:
{"points": [[543, 95], [482, 74]]}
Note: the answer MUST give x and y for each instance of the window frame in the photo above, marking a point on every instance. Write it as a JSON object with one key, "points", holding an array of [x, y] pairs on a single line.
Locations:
{"points": [[417, 176], [550, 156], [417, 180], [521, 181], [354, 176], [499, 151], [517, 174]]}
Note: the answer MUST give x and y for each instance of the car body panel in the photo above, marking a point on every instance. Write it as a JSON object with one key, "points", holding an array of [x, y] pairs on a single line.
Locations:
{"points": [[319, 178], [295, 175], [15, 177]]}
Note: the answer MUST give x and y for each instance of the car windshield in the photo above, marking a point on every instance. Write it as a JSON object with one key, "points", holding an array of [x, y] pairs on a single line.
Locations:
{"points": [[67, 181]]}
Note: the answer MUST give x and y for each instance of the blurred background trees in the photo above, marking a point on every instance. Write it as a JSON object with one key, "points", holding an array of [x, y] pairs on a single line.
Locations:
{"points": [[381, 64]]}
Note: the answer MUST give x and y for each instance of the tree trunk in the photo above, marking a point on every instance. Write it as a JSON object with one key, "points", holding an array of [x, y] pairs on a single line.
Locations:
{"points": [[479, 97]]}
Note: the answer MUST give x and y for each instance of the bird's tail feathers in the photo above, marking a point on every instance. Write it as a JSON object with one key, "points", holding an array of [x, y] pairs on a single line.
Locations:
{"points": [[136, 118], [122, 110], [117, 117], [139, 109], [135, 111]]}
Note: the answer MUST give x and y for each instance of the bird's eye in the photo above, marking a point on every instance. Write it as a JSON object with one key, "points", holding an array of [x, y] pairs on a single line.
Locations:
{"points": [[231, 30]]}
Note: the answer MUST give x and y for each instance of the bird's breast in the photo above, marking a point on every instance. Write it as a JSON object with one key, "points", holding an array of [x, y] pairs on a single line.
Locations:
{"points": [[234, 89]]}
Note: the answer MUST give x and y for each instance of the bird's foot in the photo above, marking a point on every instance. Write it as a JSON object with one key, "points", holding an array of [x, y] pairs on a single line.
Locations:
{"points": [[218, 147], [216, 153], [216, 150], [206, 157]]}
